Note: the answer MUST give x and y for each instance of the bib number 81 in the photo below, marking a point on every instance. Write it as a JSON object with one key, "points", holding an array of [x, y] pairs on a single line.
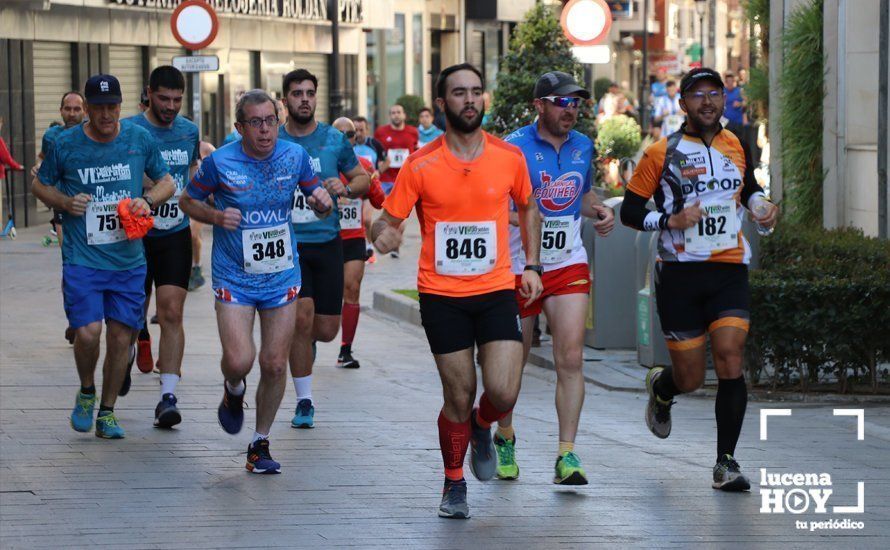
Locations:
{"points": [[269, 250], [467, 248]]}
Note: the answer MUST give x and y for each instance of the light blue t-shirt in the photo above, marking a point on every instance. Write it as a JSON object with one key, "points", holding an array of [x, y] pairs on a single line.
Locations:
{"points": [[250, 259], [179, 148], [366, 151], [49, 138], [109, 173], [231, 138], [331, 154], [426, 136]]}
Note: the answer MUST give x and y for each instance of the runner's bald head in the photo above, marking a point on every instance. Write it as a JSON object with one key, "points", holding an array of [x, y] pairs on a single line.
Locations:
{"points": [[344, 124]]}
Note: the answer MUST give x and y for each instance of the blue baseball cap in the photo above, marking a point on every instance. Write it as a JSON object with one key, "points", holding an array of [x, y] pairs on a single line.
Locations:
{"points": [[102, 89]]}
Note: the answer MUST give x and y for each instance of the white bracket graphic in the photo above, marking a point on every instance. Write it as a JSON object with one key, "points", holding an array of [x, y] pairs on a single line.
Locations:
{"points": [[765, 414], [860, 502], [860, 420]]}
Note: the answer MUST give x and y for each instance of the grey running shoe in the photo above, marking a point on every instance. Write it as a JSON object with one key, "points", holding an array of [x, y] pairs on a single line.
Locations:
{"points": [[484, 457], [727, 476], [658, 411], [454, 500]]}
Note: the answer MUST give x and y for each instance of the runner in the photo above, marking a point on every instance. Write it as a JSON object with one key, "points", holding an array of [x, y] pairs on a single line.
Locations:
{"points": [[196, 278], [370, 149], [88, 171], [426, 130], [321, 251], [560, 165], [461, 185], [255, 267], [352, 232], [399, 140], [168, 245], [700, 178]]}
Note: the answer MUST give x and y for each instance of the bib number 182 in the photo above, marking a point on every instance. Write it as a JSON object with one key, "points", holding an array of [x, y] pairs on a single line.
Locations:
{"points": [[711, 226]]}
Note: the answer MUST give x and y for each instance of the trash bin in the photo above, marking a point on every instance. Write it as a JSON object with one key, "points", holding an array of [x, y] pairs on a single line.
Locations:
{"points": [[651, 349], [610, 319]]}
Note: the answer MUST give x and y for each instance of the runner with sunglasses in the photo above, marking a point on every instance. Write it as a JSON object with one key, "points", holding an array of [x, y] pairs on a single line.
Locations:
{"points": [[560, 165]]}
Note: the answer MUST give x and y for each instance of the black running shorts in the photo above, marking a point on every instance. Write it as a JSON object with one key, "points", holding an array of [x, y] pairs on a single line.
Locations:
{"points": [[454, 324], [321, 268], [169, 259], [698, 297], [354, 249]]}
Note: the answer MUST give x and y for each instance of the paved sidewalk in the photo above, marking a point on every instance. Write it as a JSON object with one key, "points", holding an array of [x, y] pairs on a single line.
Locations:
{"points": [[370, 474]]}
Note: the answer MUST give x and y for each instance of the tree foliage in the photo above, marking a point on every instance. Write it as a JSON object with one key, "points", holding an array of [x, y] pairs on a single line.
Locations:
{"points": [[537, 46]]}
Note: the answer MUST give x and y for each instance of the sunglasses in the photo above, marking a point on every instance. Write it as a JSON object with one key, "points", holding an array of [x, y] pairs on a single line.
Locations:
{"points": [[349, 134], [563, 102]]}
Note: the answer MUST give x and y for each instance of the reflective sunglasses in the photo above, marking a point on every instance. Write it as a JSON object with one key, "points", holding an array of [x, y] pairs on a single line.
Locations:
{"points": [[349, 134], [563, 102]]}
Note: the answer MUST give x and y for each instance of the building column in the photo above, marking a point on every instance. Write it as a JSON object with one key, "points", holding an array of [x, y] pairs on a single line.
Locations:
{"points": [[833, 123]]}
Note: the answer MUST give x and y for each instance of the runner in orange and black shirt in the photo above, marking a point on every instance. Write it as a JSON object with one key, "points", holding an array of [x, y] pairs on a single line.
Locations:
{"points": [[700, 178], [461, 185]]}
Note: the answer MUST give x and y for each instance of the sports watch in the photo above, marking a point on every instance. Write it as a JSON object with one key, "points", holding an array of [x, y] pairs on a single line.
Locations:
{"points": [[539, 269]]}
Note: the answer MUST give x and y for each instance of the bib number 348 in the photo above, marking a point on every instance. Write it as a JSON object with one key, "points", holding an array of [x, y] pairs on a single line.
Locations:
{"points": [[267, 250], [465, 248]]}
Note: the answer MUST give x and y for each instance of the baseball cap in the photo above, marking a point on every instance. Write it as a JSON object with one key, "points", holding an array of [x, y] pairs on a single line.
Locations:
{"points": [[102, 89], [558, 83], [697, 75]]}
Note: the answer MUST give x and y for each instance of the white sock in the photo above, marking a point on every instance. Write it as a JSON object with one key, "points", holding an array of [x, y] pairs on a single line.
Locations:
{"points": [[168, 383], [236, 390], [303, 387], [257, 436]]}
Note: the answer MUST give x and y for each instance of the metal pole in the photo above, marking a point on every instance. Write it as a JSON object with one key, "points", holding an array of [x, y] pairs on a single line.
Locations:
{"points": [[334, 95], [644, 105], [196, 100], [883, 59], [701, 38]]}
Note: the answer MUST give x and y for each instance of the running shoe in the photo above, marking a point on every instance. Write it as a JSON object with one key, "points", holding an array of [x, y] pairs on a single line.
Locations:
{"points": [[569, 471], [507, 467], [454, 500], [259, 461], [727, 476], [394, 254], [658, 411], [82, 415], [346, 360], [70, 333], [128, 380], [304, 415], [371, 260], [196, 279], [369, 252], [484, 459], [144, 360], [154, 319], [231, 410], [107, 426], [166, 413]]}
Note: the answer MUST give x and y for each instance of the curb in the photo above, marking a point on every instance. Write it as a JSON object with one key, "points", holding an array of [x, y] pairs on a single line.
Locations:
{"points": [[395, 305]]}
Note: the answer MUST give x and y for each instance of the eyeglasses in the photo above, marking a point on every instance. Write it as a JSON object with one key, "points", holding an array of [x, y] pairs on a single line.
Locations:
{"points": [[713, 95], [349, 134], [270, 121], [563, 102]]}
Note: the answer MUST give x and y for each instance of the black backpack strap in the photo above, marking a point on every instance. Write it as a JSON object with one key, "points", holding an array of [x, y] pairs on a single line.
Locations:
{"points": [[668, 175]]}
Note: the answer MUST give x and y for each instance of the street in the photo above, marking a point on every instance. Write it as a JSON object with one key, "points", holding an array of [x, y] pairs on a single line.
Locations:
{"points": [[370, 473]]}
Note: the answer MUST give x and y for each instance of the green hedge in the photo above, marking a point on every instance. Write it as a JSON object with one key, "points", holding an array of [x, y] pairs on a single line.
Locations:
{"points": [[820, 308]]}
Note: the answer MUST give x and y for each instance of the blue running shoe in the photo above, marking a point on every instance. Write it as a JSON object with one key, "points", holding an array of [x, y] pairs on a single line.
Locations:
{"points": [[231, 410], [484, 456], [259, 461], [107, 426], [166, 413], [304, 415], [82, 415]]}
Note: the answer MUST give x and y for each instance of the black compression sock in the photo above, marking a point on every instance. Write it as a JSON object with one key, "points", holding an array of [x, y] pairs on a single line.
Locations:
{"points": [[105, 409], [729, 408], [88, 391], [664, 386]]}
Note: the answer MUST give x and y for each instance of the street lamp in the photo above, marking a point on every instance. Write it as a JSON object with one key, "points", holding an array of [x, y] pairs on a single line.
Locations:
{"points": [[700, 7]]}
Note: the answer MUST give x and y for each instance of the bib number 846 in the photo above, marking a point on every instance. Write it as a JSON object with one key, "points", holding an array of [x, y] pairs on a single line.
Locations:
{"points": [[466, 248]]}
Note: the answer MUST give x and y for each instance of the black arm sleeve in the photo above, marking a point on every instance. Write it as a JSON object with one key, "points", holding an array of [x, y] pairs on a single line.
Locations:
{"points": [[749, 183], [634, 212]]}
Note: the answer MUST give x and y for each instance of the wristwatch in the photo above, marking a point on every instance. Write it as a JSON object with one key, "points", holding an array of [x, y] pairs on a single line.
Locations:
{"points": [[148, 201], [536, 268]]}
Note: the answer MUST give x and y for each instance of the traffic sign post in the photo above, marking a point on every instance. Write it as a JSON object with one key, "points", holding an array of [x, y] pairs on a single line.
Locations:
{"points": [[194, 25]]}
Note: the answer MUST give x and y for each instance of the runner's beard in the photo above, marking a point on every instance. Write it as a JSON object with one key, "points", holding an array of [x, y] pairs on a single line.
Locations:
{"points": [[300, 119], [460, 124]]}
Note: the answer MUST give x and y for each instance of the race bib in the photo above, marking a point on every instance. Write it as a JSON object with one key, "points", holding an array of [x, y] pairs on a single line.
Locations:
{"points": [[397, 157], [267, 250], [301, 212], [466, 248], [103, 224], [350, 213], [557, 238], [168, 215], [718, 231]]}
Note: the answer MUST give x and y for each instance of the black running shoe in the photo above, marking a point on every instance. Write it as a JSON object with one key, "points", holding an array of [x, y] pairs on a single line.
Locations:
{"points": [[125, 387], [166, 413], [728, 477], [454, 500], [346, 360], [231, 410]]}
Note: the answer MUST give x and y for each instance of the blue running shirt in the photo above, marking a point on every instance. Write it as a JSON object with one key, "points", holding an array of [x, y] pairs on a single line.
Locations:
{"points": [[49, 138], [108, 172], [331, 154], [261, 255], [559, 180], [179, 149]]}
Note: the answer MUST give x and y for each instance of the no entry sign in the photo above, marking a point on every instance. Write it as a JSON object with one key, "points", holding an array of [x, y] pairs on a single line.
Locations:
{"points": [[194, 24]]}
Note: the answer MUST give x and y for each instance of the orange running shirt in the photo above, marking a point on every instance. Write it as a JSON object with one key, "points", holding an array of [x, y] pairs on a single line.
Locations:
{"points": [[463, 209]]}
